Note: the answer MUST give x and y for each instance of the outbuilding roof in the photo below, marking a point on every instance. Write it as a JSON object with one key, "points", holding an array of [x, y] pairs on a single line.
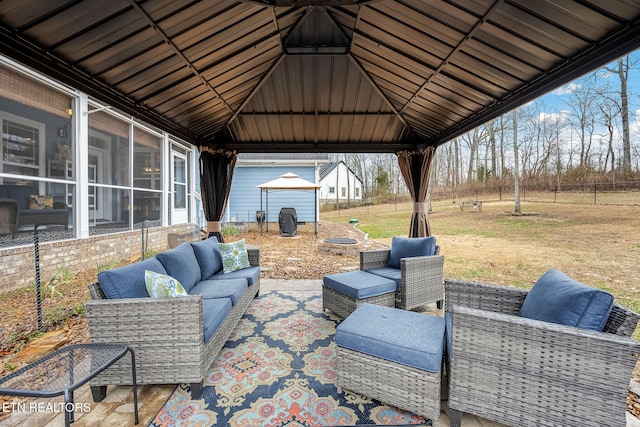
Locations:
{"points": [[317, 75]]}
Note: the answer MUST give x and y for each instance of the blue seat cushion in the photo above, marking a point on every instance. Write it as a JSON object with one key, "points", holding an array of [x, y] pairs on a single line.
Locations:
{"points": [[250, 273], [400, 336], [394, 274], [128, 281], [214, 311], [359, 284], [182, 264], [557, 298], [208, 256], [406, 247], [227, 288]]}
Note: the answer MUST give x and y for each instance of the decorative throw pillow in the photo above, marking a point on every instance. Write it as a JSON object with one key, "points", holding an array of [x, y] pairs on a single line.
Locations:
{"points": [[406, 247], [234, 256], [162, 285]]}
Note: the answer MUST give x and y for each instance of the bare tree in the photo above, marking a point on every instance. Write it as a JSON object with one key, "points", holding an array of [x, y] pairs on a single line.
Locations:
{"points": [[516, 165], [621, 69], [582, 104]]}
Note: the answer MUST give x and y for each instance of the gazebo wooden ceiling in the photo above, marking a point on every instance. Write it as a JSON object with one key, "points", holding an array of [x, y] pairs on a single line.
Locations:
{"points": [[317, 75]]}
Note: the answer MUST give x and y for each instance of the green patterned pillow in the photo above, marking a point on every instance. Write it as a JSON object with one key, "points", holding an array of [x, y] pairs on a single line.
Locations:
{"points": [[234, 256], [162, 285]]}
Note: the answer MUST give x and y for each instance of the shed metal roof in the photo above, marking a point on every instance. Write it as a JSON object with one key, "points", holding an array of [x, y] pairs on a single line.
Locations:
{"points": [[317, 75]]}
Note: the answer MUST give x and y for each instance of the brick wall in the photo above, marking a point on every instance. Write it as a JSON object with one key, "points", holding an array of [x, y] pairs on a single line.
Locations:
{"points": [[78, 255]]}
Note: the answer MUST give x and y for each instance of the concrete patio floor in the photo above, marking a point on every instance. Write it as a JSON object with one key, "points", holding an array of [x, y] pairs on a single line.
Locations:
{"points": [[117, 408]]}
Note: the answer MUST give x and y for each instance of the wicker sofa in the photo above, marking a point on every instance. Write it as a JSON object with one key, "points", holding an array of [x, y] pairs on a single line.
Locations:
{"points": [[525, 372], [175, 339], [419, 278]]}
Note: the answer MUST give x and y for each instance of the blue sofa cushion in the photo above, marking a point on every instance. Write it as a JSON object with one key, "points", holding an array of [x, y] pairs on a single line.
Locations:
{"points": [[251, 274], [406, 247], [359, 284], [214, 311], [128, 281], [557, 298], [227, 288], [208, 256], [405, 337], [394, 274], [181, 263]]}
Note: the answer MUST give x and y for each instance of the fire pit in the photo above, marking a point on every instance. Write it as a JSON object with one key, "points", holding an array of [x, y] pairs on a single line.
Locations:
{"points": [[341, 241], [340, 246]]}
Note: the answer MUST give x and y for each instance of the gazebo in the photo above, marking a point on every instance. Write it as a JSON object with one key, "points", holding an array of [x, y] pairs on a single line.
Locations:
{"points": [[289, 181]]}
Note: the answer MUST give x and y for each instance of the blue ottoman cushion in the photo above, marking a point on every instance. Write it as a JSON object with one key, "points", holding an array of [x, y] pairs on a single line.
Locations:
{"points": [[404, 337], [359, 284]]}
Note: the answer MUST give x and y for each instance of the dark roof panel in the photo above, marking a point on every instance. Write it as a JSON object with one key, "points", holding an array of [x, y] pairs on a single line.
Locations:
{"points": [[317, 75]]}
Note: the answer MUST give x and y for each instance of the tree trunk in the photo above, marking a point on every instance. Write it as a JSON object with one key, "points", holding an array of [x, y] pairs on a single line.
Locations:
{"points": [[516, 166]]}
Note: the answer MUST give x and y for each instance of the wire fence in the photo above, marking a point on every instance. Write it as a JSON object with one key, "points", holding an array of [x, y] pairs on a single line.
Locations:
{"points": [[606, 193]]}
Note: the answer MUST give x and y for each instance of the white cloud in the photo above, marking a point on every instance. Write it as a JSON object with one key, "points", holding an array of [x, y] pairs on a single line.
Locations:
{"points": [[567, 89]]}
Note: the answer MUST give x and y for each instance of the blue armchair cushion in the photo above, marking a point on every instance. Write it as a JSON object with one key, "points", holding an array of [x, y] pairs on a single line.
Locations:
{"points": [[208, 255], [406, 247], [234, 256], [405, 337], [181, 263], [128, 281], [388, 273], [162, 285], [557, 298]]}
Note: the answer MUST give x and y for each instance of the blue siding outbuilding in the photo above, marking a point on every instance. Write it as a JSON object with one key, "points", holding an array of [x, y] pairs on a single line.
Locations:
{"points": [[244, 199]]}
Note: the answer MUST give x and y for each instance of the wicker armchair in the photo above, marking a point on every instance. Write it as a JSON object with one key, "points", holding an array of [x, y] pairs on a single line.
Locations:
{"points": [[524, 372], [421, 277]]}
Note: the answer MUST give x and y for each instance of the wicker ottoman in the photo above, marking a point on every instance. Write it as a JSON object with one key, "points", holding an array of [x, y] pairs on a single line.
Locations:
{"points": [[394, 356], [344, 292]]}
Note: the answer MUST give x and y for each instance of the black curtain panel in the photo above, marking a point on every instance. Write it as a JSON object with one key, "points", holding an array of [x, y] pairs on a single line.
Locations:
{"points": [[216, 174]]}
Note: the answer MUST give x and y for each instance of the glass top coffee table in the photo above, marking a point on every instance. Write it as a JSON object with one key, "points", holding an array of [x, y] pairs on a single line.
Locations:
{"points": [[64, 370]]}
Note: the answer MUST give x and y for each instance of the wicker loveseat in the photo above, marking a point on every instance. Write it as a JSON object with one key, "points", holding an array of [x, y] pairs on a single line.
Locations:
{"points": [[175, 339], [419, 278], [524, 372]]}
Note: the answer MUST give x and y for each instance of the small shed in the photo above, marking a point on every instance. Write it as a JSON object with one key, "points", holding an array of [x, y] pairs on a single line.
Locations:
{"points": [[289, 181]]}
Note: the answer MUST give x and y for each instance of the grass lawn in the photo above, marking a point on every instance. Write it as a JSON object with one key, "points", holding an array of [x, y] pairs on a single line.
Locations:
{"points": [[596, 244]]}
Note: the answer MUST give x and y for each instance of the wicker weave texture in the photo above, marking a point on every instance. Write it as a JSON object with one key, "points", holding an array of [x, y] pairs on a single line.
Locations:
{"points": [[524, 372], [421, 280], [343, 305], [407, 388]]}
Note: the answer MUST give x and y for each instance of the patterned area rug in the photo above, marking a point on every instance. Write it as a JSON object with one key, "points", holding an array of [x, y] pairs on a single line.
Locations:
{"points": [[278, 369]]}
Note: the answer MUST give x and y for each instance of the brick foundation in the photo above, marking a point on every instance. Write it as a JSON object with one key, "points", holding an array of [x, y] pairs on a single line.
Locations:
{"points": [[78, 255]]}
